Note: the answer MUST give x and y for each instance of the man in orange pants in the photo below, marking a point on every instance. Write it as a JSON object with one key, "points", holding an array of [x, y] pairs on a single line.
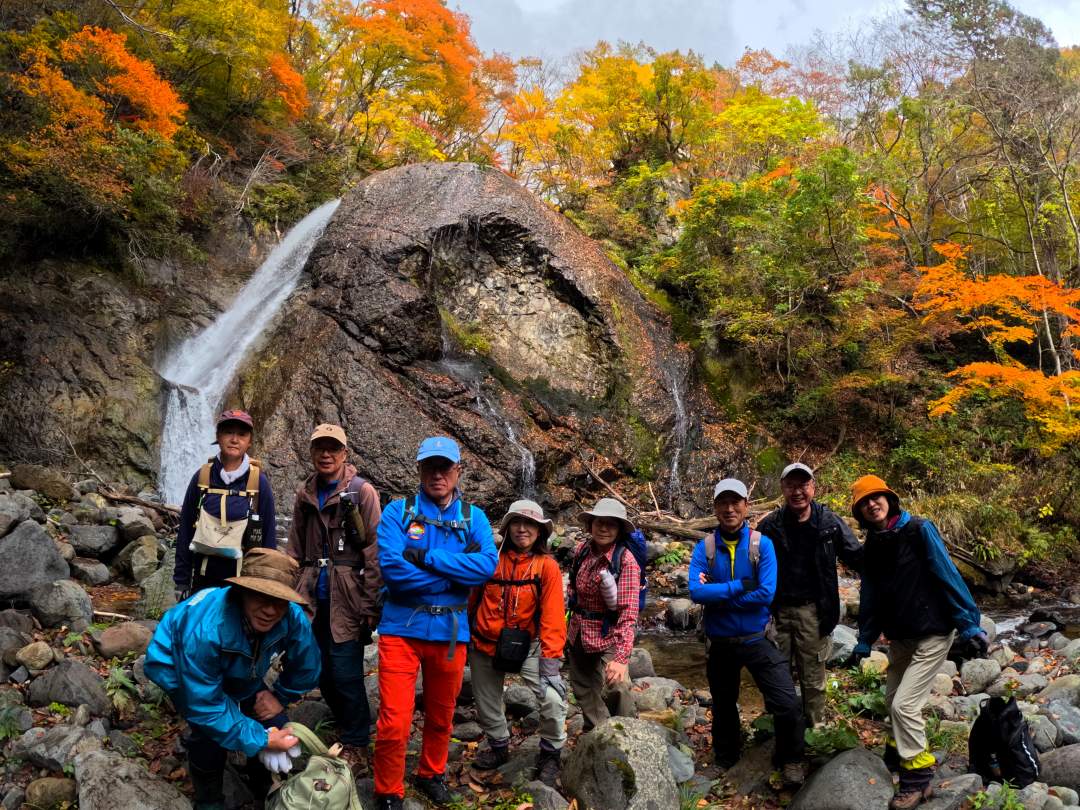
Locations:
{"points": [[433, 547]]}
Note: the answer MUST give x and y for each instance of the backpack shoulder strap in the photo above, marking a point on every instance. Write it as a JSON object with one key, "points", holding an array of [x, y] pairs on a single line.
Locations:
{"points": [[408, 510], [710, 551], [308, 737], [615, 566], [253, 477], [204, 475], [755, 550]]}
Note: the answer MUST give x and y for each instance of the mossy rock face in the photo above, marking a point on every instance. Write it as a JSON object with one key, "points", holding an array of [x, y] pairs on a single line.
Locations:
{"points": [[622, 763]]}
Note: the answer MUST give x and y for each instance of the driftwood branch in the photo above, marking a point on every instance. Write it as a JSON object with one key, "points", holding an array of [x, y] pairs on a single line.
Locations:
{"points": [[157, 507], [606, 485], [104, 614]]}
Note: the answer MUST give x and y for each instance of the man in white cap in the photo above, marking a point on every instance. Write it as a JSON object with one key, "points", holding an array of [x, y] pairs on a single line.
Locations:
{"points": [[808, 537], [733, 574]]}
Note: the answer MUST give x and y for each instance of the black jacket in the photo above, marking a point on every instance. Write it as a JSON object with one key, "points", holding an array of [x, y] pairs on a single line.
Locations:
{"points": [[834, 537]]}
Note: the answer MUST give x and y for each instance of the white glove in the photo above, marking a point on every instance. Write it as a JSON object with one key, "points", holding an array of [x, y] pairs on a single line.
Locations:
{"points": [[609, 589], [278, 761]]}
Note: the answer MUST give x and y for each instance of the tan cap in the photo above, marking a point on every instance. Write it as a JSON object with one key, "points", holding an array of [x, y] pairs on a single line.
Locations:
{"points": [[329, 431], [270, 572]]}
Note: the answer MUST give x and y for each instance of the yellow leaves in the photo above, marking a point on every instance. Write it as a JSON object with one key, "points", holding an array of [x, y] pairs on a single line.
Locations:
{"points": [[876, 233]]}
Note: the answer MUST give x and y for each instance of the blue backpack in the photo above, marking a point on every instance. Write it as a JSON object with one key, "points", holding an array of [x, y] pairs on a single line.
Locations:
{"points": [[635, 544]]}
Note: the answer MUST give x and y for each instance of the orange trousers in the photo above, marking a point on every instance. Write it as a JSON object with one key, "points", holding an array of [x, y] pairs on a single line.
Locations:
{"points": [[400, 659]]}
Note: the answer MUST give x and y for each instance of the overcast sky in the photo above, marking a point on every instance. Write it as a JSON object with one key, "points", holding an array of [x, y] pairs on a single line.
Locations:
{"points": [[717, 29]]}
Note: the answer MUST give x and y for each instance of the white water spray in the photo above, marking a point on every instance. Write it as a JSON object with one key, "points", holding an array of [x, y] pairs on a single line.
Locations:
{"points": [[203, 366], [527, 468], [678, 437]]}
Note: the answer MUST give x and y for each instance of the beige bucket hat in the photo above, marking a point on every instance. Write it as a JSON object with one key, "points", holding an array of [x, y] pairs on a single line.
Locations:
{"points": [[609, 508], [530, 510], [269, 572]]}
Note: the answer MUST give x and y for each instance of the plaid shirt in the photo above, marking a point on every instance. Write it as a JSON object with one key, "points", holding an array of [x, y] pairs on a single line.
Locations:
{"points": [[587, 591]]}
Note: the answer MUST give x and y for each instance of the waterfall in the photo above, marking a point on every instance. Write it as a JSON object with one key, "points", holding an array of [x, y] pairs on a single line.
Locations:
{"points": [[527, 466], [679, 433], [200, 370]]}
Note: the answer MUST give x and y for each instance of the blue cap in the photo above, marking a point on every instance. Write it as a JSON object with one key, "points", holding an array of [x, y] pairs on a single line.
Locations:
{"points": [[440, 446]]}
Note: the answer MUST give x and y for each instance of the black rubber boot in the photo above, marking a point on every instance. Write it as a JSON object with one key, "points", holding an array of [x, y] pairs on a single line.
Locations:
{"points": [[547, 767], [496, 754], [209, 790], [436, 789]]}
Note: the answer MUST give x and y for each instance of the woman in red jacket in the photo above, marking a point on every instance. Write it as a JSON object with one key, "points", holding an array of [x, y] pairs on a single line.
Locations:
{"points": [[517, 623]]}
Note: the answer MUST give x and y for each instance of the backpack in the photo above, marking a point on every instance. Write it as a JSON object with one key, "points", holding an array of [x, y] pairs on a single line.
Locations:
{"points": [[753, 552], [635, 544], [217, 536], [1000, 747], [325, 784], [410, 514]]}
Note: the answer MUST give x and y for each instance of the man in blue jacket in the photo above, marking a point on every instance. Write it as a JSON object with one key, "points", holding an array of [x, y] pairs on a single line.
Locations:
{"points": [[736, 592], [210, 655], [433, 547]]}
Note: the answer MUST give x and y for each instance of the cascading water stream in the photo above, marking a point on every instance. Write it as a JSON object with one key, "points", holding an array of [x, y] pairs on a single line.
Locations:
{"points": [[200, 370], [679, 434], [527, 469]]}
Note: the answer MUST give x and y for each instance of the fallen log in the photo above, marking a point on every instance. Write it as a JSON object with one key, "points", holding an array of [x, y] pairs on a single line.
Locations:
{"points": [[108, 494]]}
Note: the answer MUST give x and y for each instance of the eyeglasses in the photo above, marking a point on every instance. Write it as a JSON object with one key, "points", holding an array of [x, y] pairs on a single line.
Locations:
{"points": [[796, 486]]}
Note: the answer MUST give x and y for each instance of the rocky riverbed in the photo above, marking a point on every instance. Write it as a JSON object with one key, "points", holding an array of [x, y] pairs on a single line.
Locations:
{"points": [[84, 579]]}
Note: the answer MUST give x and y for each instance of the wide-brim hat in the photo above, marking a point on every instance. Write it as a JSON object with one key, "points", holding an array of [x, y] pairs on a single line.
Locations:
{"points": [[271, 573], [530, 510], [607, 508], [871, 485]]}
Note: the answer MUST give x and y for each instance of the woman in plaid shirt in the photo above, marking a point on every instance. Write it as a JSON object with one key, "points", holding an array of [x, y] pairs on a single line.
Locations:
{"points": [[604, 612]]}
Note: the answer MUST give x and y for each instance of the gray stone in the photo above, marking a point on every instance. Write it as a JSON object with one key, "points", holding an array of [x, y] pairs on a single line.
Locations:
{"points": [[1059, 641], [622, 763], [1004, 655], [469, 731], [682, 764], [157, 589], [63, 602], [950, 792], [979, 673], [94, 541], [108, 780], [1053, 803], [87, 485], [28, 559], [67, 551], [144, 561], [133, 523], [544, 797], [14, 509], [941, 684], [13, 799], [1062, 767], [1043, 732], [89, 571], [20, 675], [520, 765], [37, 655], [1068, 796], [852, 780], [1066, 688], [948, 667], [119, 741], [877, 662], [641, 664], [49, 482], [942, 707], [55, 747], [308, 712], [989, 627], [51, 792], [17, 620], [520, 701], [681, 614], [1066, 718], [655, 694], [844, 640], [1071, 651], [121, 639], [71, 683], [1033, 797], [1038, 629], [1019, 686], [10, 644]]}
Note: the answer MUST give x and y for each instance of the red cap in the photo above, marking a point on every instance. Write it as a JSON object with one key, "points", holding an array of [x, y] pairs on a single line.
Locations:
{"points": [[235, 415]]}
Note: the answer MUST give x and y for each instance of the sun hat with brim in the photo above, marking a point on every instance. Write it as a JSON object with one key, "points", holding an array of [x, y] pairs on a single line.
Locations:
{"points": [[871, 485], [530, 510], [271, 573], [607, 508]]}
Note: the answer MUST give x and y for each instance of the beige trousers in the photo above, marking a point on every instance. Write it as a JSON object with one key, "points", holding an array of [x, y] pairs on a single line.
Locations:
{"points": [[597, 700], [798, 640], [913, 663], [487, 687]]}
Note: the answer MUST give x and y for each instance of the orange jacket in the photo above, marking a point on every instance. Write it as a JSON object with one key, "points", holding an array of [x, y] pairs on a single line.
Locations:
{"points": [[493, 606]]}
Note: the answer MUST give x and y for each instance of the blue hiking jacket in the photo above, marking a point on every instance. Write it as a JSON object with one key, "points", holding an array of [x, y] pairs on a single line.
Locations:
{"points": [[447, 577], [200, 656], [729, 610], [952, 599]]}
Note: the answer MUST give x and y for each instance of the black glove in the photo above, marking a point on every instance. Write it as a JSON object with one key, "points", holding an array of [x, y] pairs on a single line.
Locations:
{"points": [[855, 658], [472, 548], [749, 584], [415, 556], [978, 645]]}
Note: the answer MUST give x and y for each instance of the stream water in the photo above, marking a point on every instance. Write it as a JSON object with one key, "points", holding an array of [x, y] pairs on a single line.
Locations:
{"points": [[200, 370], [679, 434]]}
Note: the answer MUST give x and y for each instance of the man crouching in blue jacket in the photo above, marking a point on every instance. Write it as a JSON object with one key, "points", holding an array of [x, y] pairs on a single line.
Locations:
{"points": [[211, 654], [433, 547], [736, 593]]}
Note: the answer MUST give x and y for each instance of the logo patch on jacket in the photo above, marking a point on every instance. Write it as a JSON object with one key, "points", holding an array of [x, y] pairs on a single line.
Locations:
{"points": [[416, 531]]}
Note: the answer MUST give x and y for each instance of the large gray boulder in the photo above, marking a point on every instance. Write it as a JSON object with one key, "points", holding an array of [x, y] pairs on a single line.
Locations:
{"points": [[622, 763], [978, 673], [1061, 767], [641, 664], [158, 594], [49, 482], [54, 748], [92, 572], [94, 541], [71, 683], [1066, 688], [133, 523], [853, 780], [107, 781], [28, 558], [63, 602], [14, 509], [655, 694], [121, 639], [951, 792], [1067, 719]]}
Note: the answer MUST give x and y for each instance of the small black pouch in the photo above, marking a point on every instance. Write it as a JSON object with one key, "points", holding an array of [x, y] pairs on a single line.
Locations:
{"points": [[511, 649]]}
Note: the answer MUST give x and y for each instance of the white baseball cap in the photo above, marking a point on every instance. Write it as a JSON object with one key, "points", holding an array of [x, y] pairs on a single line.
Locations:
{"points": [[796, 467], [730, 485]]}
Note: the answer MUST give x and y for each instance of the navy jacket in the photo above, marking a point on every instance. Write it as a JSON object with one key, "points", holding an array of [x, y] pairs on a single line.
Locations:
{"points": [[235, 509]]}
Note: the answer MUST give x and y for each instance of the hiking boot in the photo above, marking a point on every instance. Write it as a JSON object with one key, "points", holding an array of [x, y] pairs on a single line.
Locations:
{"points": [[389, 802], [913, 789], [358, 758], [547, 767], [793, 773], [492, 757], [435, 788]]}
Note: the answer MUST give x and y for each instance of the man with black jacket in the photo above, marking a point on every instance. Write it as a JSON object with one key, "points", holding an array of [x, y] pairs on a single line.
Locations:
{"points": [[808, 537]]}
